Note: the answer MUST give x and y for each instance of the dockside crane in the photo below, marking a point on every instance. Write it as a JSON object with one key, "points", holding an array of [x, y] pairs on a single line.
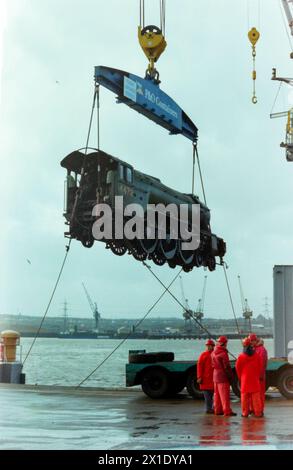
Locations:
{"points": [[288, 143], [288, 13], [187, 312], [94, 308], [199, 313], [246, 311]]}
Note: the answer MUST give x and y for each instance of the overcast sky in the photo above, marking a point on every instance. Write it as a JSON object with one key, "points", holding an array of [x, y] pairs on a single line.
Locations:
{"points": [[207, 69]]}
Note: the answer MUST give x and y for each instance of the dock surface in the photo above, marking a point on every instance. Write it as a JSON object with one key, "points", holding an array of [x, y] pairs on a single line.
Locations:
{"points": [[38, 417]]}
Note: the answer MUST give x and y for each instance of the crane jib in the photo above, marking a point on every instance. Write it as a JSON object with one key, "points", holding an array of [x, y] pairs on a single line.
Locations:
{"points": [[145, 97]]}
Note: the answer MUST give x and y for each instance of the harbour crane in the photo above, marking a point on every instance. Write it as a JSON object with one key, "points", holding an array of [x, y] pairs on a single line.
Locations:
{"points": [[288, 13], [288, 143], [246, 311], [187, 312], [199, 313], [94, 308]]}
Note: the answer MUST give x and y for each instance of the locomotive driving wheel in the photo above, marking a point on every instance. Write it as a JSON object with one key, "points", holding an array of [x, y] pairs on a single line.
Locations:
{"points": [[158, 259], [168, 247], [198, 259], [148, 245], [187, 268], [149, 242], [185, 256], [138, 252]]}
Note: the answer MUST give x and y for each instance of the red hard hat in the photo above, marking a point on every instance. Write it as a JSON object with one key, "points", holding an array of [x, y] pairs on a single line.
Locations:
{"points": [[246, 342], [210, 342], [222, 340], [252, 337]]}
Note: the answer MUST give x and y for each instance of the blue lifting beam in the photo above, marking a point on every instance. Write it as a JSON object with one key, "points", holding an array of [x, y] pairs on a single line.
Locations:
{"points": [[147, 98]]}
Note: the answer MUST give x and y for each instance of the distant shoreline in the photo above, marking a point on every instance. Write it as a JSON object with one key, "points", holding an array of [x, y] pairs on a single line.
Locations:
{"points": [[151, 337]]}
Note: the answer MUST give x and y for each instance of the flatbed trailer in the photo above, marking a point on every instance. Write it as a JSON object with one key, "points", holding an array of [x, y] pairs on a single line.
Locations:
{"points": [[160, 375]]}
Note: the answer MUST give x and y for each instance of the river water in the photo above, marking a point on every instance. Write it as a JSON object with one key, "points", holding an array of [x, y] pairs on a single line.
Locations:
{"points": [[54, 361]]}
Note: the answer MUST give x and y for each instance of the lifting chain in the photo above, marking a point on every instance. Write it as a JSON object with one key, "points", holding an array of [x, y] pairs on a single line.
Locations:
{"points": [[253, 37]]}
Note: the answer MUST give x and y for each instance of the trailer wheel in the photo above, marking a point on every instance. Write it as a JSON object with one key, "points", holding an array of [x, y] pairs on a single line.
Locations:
{"points": [[193, 387], [155, 383], [176, 386], [285, 383], [149, 358]]}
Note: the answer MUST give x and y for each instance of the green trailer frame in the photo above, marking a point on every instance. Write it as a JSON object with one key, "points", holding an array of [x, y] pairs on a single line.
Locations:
{"points": [[167, 378]]}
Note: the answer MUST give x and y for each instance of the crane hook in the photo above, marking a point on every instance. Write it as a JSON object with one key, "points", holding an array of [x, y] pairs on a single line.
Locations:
{"points": [[253, 36]]}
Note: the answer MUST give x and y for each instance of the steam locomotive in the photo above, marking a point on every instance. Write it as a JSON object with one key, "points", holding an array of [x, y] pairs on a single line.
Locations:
{"points": [[98, 178]]}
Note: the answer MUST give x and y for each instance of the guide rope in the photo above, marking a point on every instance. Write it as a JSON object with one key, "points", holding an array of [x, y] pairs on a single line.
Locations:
{"points": [[127, 337], [230, 296], [98, 116], [195, 152], [181, 304], [96, 99], [50, 300], [166, 289], [78, 192], [175, 298]]}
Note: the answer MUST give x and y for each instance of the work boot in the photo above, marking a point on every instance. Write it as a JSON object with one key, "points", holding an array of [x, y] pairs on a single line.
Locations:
{"points": [[260, 416], [231, 414]]}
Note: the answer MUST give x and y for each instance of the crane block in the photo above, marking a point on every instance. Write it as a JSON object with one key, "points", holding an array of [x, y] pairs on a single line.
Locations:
{"points": [[152, 42], [253, 36]]}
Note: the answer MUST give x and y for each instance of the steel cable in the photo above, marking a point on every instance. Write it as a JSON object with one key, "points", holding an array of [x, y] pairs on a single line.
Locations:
{"points": [[96, 98], [200, 172], [127, 337], [230, 296], [50, 301], [181, 305]]}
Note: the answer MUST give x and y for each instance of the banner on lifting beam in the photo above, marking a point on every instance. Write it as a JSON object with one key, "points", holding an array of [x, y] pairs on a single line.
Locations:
{"points": [[146, 97], [146, 94]]}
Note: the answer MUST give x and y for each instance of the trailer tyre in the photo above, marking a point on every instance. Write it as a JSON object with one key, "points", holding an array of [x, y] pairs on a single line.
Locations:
{"points": [[176, 386], [193, 387], [155, 383], [149, 358], [285, 383]]}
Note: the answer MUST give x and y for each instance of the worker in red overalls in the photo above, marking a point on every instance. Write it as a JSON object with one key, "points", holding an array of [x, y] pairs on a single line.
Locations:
{"points": [[253, 339], [263, 355], [205, 375], [222, 377], [248, 368]]}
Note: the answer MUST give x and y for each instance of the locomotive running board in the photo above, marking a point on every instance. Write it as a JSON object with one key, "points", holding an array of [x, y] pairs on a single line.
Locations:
{"points": [[145, 97]]}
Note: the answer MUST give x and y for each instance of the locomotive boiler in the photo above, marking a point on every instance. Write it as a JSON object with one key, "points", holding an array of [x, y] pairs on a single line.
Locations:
{"points": [[99, 178]]}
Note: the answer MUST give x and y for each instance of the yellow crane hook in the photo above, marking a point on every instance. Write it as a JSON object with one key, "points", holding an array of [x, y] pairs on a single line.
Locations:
{"points": [[253, 36]]}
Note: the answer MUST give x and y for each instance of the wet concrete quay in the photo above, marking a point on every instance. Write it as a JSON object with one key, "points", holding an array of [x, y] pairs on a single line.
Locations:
{"points": [[35, 417]]}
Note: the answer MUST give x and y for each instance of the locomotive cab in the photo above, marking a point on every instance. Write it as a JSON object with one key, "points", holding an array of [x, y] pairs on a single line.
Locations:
{"points": [[99, 179]]}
